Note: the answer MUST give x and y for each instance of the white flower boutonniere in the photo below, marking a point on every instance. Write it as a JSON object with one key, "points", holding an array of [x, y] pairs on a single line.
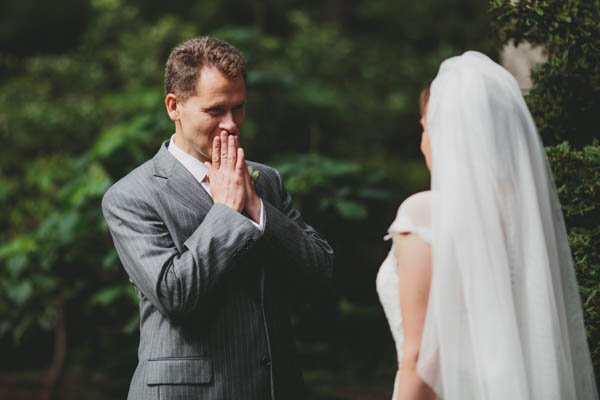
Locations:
{"points": [[254, 173]]}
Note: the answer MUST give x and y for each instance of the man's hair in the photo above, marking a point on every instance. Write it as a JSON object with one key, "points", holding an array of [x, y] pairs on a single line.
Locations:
{"points": [[187, 59]]}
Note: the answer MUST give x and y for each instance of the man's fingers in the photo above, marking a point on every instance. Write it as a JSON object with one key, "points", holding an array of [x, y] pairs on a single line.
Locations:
{"points": [[241, 161], [216, 153], [224, 146], [231, 151], [241, 155]]}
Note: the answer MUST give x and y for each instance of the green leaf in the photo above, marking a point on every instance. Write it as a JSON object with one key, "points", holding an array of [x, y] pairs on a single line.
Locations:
{"points": [[132, 325], [107, 296], [110, 260], [351, 210], [16, 264], [565, 18], [20, 245], [20, 292]]}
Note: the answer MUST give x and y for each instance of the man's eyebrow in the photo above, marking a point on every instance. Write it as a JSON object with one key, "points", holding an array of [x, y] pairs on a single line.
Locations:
{"points": [[223, 105], [213, 107]]}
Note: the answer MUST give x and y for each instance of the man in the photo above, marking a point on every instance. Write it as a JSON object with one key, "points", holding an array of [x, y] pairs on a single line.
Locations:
{"points": [[215, 257]]}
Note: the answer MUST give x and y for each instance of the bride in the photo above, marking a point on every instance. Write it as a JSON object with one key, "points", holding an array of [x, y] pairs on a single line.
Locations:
{"points": [[479, 287]]}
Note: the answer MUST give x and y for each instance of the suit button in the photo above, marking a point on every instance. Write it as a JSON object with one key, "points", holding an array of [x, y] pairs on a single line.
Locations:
{"points": [[267, 362]]}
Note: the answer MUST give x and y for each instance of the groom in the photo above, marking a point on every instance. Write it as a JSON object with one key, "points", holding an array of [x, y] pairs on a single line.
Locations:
{"points": [[216, 256]]}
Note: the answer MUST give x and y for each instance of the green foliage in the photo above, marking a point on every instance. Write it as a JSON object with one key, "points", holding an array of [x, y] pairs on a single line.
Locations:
{"points": [[322, 185], [565, 100], [70, 135], [577, 174]]}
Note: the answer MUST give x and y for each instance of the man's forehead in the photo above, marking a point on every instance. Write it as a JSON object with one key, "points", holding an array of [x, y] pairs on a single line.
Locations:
{"points": [[215, 87], [212, 76]]}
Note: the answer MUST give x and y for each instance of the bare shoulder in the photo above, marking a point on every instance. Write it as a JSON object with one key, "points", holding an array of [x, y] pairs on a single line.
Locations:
{"points": [[413, 244], [417, 208], [417, 201]]}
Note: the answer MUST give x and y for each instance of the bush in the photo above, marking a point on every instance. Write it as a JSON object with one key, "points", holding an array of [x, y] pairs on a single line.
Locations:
{"points": [[577, 175], [565, 97]]}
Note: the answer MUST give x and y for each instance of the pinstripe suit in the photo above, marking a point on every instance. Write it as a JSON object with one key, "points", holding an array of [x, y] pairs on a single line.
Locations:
{"points": [[214, 290]]}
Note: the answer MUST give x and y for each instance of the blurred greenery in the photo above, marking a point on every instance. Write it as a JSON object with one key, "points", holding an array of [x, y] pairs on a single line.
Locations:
{"points": [[332, 103], [577, 174]]}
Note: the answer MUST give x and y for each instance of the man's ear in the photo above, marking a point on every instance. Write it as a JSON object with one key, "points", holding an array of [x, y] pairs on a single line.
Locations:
{"points": [[172, 106]]}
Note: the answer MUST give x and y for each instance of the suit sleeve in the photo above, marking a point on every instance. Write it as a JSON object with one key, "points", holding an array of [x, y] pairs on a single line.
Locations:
{"points": [[306, 253], [174, 281]]}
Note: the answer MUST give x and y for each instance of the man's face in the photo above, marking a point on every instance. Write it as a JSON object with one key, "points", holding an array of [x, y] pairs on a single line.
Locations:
{"points": [[218, 106]]}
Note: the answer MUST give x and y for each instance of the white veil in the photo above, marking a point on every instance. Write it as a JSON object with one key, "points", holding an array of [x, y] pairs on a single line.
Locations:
{"points": [[504, 318]]}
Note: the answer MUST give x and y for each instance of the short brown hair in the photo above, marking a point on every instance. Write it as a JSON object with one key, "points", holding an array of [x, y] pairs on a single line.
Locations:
{"points": [[187, 59]]}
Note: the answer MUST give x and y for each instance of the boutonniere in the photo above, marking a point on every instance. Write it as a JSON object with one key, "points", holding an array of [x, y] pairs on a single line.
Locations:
{"points": [[254, 173]]}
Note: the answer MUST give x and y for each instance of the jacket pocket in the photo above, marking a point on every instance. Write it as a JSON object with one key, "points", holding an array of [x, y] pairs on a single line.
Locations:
{"points": [[179, 371]]}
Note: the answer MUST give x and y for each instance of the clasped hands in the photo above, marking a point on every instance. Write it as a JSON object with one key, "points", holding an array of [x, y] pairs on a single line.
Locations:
{"points": [[230, 181]]}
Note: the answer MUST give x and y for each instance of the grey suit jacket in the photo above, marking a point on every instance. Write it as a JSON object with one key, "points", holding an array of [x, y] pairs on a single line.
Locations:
{"points": [[214, 290]]}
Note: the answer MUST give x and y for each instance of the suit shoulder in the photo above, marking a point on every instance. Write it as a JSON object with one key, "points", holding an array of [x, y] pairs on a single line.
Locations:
{"points": [[131, 184]]}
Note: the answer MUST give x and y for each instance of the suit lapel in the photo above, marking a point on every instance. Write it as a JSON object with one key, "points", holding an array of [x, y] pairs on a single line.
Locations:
{"points": [[180, 183]]}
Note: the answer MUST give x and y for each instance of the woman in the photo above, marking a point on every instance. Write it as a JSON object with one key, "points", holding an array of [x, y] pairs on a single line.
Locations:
{"points": [[479, 287]]}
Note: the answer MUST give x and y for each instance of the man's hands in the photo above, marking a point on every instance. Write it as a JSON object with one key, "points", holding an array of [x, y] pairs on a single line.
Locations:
{"points": [[230, 182]]}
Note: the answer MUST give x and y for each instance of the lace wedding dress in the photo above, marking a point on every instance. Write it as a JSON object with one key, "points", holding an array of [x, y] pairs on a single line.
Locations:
{"points": [[414, 216]]}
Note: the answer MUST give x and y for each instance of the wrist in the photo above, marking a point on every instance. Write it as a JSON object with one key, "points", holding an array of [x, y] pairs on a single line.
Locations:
{"points": [[254, 208], [231, 204]]}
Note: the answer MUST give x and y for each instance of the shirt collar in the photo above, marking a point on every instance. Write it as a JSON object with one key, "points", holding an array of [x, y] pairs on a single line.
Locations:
{"points": [[191, 163]]}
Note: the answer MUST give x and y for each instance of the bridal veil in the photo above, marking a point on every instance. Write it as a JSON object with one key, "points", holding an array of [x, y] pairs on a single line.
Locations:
{"points": [[504, 318]]}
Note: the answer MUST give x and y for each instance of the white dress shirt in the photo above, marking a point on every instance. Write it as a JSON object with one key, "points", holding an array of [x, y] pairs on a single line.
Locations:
{"points": [[199, 171]]}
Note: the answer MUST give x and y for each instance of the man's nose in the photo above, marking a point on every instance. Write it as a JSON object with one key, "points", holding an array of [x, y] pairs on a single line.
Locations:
{"points": [[228, 123]]}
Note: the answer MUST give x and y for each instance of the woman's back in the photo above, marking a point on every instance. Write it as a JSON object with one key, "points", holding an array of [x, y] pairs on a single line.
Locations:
{"points": [[503, 316]]}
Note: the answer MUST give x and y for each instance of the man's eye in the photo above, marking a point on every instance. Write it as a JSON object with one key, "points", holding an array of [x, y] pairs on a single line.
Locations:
{"points": [[215, 111]]}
